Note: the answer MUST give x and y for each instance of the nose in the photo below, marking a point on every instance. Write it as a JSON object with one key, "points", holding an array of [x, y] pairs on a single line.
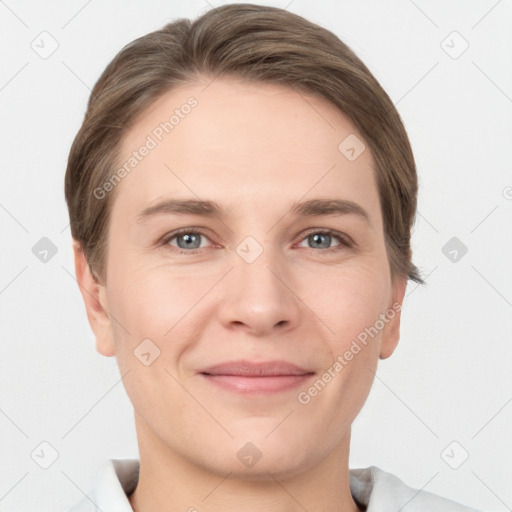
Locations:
{"points": [[259, 297]]}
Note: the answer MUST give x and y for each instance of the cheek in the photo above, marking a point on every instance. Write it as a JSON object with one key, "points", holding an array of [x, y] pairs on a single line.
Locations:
{"points": [[154, 313], [156, 304], [351, 306], [350, 302]]}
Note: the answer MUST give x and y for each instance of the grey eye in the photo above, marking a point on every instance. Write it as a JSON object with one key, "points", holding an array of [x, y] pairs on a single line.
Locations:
{"points": [[189, 241], [319, 240]]}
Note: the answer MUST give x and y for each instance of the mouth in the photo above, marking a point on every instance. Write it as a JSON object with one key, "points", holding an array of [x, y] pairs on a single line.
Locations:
{"points": [[259, 378]]}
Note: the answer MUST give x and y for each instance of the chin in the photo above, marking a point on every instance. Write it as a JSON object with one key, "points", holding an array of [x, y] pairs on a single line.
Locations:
{"points": [[259, 460]]}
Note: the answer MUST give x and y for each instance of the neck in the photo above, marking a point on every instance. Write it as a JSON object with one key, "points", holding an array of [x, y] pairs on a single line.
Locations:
{"points": [[168, 482]]}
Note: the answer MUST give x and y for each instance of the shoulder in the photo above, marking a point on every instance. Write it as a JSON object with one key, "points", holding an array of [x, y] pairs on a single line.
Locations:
{"points": [[379, 491]]}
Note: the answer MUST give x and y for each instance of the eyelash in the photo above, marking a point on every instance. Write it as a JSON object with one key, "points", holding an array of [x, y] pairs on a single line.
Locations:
{"points": [[344, 241]]}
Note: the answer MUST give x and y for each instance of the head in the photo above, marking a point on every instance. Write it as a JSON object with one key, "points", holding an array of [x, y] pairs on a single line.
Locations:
{"points": [[242, 188]]}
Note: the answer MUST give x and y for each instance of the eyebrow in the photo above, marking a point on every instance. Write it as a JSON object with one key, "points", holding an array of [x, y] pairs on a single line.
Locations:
{"points": [[205, 208]]}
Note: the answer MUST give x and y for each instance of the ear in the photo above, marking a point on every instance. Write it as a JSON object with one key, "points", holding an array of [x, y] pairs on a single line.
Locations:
{"points": [[391, 331], [96, 304]]}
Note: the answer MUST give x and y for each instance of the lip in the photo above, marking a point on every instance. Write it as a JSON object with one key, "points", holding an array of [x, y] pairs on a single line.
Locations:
{"points": [[251, 377]]}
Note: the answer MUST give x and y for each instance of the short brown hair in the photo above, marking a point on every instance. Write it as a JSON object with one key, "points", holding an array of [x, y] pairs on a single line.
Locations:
{"points": [[258, 44]]}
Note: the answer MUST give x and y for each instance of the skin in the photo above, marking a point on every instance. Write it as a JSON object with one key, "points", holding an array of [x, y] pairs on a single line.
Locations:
{"points": [[254, 149]]}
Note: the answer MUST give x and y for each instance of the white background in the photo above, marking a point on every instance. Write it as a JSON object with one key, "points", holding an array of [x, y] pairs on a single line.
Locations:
{"points": [[449, 379]]}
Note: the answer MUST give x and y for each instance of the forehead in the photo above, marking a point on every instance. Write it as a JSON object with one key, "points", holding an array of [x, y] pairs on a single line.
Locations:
{"points": [[237, 140]]}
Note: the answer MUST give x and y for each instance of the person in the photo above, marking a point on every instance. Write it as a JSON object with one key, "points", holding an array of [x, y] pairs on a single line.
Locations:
{"points": [[241, 197]]}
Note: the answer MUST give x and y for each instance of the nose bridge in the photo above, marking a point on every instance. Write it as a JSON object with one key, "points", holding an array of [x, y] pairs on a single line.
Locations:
{"points": [[255, 267]]}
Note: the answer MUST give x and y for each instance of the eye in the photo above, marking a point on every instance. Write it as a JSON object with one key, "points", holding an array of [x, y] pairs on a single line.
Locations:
{"points": [[186, 241], [323, 239]]}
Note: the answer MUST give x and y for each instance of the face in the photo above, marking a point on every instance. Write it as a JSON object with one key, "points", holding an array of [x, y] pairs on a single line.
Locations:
{"points": [[247, 289]]}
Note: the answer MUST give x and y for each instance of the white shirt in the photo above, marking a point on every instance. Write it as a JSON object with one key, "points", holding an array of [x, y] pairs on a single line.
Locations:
{"points": [[371, 487]]}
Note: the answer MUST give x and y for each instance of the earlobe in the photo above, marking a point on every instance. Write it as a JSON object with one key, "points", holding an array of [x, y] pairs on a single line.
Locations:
{"points": [[391, 332], [96, 303]]}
